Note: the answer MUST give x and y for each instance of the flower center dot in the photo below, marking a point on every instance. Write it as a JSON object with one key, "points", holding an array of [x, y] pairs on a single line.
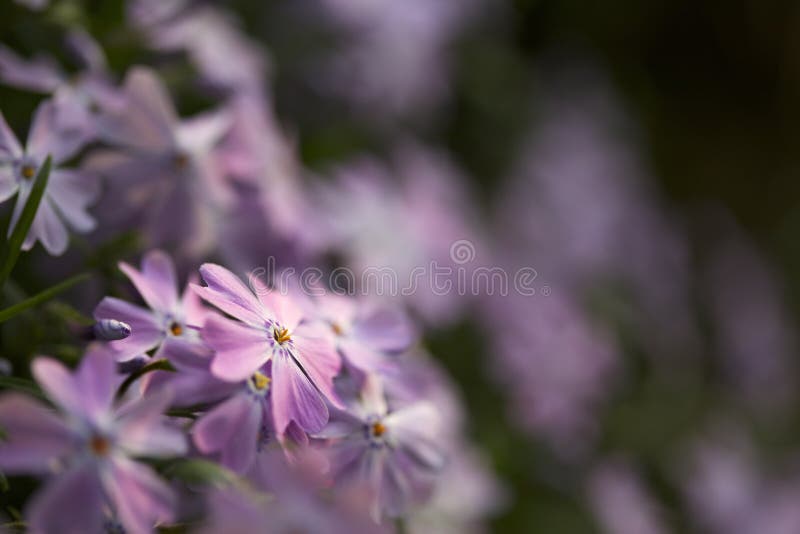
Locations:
{"points": [[176, 329], [181, 161], [378, 429], [28, 171], [99, 445]]}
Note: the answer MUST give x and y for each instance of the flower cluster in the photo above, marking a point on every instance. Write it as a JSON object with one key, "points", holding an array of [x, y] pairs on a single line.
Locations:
{"points": [[321, 413]]}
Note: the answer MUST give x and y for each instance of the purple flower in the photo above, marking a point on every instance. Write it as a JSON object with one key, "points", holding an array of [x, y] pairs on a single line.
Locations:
{"points": [[68, 193], [396, 452], [286, 497], [365, 218], [364, 333], [91, 449], [163, 177], [270, 328], [77, 98], [171, 317]]}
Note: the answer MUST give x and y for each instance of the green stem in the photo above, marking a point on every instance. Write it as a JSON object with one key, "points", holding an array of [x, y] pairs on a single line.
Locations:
{"points": [[44, 296]]}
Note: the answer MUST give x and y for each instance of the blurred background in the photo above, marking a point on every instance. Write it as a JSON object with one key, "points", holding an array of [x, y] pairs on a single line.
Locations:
{"points": [[640, 155]]}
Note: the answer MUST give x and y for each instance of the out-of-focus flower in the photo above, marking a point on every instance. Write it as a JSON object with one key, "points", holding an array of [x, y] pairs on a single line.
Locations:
{"points": [[622, 503], [286, 498], [211, 38], [270, 328], [35, 5], [395, 58], [271, 215], [557, 365], [366, 219], [397, 452], [77, 97], [366, 335], [753, 331], [92, 449], [171, 319], [166, 177], [466, 494], [579, 208], [68, 193], [729, 491]]}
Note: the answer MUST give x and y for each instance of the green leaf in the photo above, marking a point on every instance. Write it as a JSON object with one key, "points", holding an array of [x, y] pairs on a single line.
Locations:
{"points": [[4, 487], [20, 384], [14, 244], [43, 296], [198, 471], [157, 365]]}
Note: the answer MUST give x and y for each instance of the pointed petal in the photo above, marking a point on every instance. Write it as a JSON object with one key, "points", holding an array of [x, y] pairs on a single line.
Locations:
{"points": [[227, 292], [157, 283]]}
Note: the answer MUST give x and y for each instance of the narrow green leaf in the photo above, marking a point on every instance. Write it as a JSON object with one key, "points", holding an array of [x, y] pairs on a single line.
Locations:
{"points": [[20, 384], [198, 471], [44, 296], [14, 243], [4, 487], [157, 365]]}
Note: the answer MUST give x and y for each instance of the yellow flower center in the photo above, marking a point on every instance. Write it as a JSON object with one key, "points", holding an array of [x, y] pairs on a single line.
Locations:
{"points": [[261, 381], [28, 171], [378, 429], [337, 329], [176, 329], [282, 335]]}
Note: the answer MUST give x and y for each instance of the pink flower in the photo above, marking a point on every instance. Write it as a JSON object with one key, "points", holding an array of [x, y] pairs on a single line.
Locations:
{"points": [[270, 328]]}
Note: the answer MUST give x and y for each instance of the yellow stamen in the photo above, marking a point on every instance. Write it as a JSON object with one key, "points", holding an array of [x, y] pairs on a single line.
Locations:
{"points": [[28, 172], [378, 429], [176, 329], [261, 381], [337, 329], [99, 445], [282, 335]]}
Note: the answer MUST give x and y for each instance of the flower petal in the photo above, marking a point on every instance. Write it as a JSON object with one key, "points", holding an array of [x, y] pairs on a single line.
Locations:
{"points": [[231, 430], [143, 429], [227, 292], [240, 350], [294, 398], [140, 498], [35, 436], [157, 283], [72, 192], [72, 502], [319, 359]]}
